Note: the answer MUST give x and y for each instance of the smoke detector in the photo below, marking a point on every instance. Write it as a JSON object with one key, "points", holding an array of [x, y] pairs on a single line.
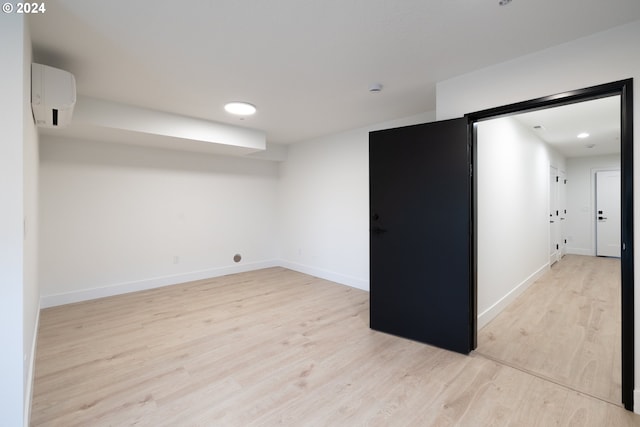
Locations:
{"points": [[375, 87]]}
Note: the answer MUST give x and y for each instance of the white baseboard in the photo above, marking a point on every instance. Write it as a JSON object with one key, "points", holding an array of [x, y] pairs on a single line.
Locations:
{"points": [[326, 274], [28, 396], [636, 401], [156, 282], [580, 251], [489, 314]]}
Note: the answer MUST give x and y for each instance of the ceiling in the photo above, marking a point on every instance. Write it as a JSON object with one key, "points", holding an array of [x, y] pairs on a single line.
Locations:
{"points": [[306, 64], [560, 127]]}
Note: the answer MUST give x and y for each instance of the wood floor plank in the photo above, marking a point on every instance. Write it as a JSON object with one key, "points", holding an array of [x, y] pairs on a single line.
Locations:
{"points": [[273, 347], [565, 327]]}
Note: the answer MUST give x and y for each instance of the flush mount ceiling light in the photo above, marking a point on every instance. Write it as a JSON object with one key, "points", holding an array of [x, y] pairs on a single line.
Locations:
{"points": [[583, 135], [240, 108], [504, 2]]}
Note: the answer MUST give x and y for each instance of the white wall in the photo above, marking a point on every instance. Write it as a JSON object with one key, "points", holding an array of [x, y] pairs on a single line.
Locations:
{"points": [[581, 190], [601, 58], [31, 288], [513, 212], [324, 205], [11, 217], [18, 169], [114, 217]]}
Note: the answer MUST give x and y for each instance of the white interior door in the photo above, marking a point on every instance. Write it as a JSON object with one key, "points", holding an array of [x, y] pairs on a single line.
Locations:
{"points": [[608, 213], [554, 216]]}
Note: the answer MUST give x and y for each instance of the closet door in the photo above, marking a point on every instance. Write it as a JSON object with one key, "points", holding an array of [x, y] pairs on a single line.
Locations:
{"points": [[608, 213], [554, 216], [421, 284]]}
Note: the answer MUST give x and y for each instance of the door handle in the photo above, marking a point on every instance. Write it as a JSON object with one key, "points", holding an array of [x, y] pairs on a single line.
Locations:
{"points": [[378, 230], [600, 218]]}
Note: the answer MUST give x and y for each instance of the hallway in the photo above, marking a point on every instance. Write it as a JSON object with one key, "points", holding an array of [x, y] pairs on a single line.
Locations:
{"points": [[565, 328]]}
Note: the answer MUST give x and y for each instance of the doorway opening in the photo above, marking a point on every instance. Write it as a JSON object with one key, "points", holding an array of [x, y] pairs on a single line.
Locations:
{"points": [[555, 316], [622, 93]]}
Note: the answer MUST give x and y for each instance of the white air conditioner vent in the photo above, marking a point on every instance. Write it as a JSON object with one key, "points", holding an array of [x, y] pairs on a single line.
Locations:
{"points": [[53, 96]]}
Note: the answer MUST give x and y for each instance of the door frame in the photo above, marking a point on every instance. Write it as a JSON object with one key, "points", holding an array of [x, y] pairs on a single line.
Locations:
{"points": [[555, 232], [623, 88]]}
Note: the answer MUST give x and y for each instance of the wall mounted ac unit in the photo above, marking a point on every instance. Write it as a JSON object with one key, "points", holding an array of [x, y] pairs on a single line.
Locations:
{"points": [[53, 96]]}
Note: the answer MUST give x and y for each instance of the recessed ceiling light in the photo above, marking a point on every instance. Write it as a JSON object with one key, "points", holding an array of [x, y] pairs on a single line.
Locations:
{"points": [[240, 108], [504, 2], [583, 135]]}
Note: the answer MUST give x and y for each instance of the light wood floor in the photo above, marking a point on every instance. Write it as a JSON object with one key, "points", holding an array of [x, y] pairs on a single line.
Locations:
{"points": [[274, 347], [565, 327]]}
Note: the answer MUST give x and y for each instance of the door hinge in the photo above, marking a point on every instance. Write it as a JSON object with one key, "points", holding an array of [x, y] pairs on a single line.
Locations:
{"points": [[557, 246], [565, 181], [557, 178], [565, 241]]}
